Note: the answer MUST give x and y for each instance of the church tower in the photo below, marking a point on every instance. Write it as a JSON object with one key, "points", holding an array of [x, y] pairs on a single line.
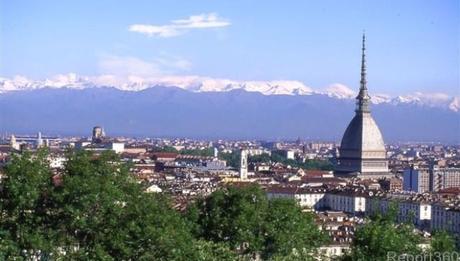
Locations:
{"points": [[362, 151]]}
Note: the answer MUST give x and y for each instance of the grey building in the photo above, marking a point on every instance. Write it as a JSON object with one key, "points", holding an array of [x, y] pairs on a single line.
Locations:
{"points": [[362, 151]]}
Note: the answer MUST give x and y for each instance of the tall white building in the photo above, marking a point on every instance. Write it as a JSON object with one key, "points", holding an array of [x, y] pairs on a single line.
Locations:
{"points": [[244, 164], [13, 143], [39, 140]]}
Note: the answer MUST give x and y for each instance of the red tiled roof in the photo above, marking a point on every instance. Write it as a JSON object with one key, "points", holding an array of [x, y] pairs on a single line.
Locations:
{"points": [[164, 155], [454, 191], [316, 173], [307, 179]]}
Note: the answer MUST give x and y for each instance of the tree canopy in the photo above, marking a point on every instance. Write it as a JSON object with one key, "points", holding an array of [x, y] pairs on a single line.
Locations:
{"points": [[95, 210], [92, 211], [233, 160], [244, 219], [382, 237], [206, 152]]}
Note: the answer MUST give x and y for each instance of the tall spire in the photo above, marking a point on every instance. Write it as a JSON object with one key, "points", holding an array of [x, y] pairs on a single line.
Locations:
{"points": [[363, 97], [363, 65]]}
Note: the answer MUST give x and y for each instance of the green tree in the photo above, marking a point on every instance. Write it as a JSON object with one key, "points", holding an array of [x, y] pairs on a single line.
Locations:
{"points": [[207, 152], [243, 218], [288, 229], [232, 159], [317, 164], [108, 215], [165, 149], [23, 206], [262, 158], [210, 251], [233, 216], [382, 236], [442, 242], [94, 211]]}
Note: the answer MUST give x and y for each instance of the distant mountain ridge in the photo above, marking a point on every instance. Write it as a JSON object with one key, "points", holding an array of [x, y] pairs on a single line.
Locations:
{"points": [[206, 84], [237, 113]]}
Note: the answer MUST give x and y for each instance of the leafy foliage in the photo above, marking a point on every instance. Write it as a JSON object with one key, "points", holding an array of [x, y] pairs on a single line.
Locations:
{"points": [[244, 219], [287, 228], [207, 152], [210, 251], [382, 235], [308, 164], [95, 211], [442, 242], [165, 149], [233, 160], [234, 216], [376, 239], [25, 190]]}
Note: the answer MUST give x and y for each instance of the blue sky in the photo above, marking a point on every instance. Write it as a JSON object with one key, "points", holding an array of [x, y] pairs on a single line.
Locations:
{"points": [[412, 45]]}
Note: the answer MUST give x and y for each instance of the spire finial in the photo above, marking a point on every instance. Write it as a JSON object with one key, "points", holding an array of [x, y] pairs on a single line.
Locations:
{"points": [[363, 98], [363, 64]]}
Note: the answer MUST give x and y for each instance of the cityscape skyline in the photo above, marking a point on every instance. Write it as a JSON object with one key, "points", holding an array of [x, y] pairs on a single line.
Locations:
{"points": [[361, 132], [230, 130], [450, 109]]}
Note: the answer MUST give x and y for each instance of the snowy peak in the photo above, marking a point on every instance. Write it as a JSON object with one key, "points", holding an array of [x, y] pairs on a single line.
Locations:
{"points": [[454, 105], [276, 87], [207, 84], [340, 91], [435, 100], [21, 83], [135, 83], [380, 98]]}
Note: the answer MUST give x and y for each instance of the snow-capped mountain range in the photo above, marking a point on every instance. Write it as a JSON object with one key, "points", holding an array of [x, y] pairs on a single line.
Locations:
{"points": [[207, 84]]}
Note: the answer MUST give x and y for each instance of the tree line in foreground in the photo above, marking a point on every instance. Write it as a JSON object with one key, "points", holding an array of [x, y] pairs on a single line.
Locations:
{"points": [[95, 210]]}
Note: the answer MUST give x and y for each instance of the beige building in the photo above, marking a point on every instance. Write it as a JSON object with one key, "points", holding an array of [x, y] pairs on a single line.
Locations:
{"points": [[443, 178], [307, 198]]}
